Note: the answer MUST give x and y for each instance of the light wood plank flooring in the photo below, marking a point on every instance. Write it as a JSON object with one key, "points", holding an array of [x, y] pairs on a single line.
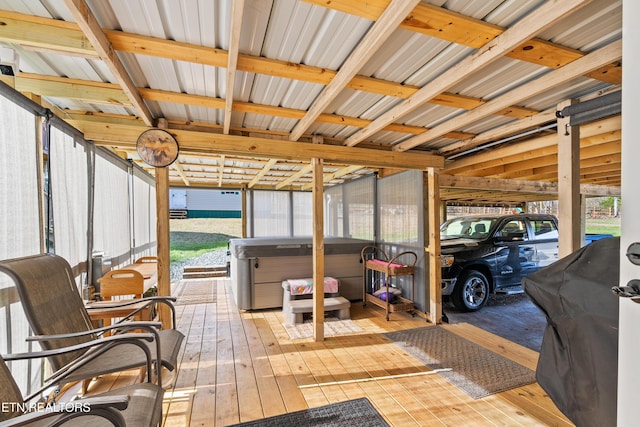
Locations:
{"points": [[241, 366]]}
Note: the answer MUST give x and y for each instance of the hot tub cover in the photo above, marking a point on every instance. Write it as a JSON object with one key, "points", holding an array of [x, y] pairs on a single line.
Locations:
{"points": [[578, 364], [292, 246]]}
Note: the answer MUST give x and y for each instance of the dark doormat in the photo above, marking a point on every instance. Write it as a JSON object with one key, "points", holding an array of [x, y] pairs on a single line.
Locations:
{"points": [[357, 412], [473, 369]]}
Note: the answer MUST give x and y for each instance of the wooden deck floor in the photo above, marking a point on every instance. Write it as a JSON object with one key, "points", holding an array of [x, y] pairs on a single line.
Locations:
{"points": [[241, 366]]}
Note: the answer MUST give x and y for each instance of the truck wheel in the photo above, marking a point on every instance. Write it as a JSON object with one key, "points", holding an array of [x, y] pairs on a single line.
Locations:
{"points": [[471, 291]]}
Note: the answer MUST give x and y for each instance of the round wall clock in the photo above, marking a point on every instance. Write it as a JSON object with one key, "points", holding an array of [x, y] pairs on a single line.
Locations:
{"points": [[157, 147]]}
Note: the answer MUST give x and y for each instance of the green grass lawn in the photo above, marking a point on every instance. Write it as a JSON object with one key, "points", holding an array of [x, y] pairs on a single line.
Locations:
{"points": [[193, 237], [603, 226]]}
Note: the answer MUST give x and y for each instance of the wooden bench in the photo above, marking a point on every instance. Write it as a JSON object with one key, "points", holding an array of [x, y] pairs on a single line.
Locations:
{"points": [[296, 308]]}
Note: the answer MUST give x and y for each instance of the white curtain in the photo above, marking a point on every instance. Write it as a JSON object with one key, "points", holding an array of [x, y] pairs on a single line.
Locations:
{"points": [[19, 229], [271, 213], [359, 200], [302, 213], [400, 208], [401, 219], [144, 215], [70, 196], [111, 222], [19, 216], [334, 211], [349, 209]]}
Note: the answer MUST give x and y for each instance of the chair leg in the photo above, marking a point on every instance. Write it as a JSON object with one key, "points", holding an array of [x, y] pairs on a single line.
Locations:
{"points": [[142, 374], [85, 385]]}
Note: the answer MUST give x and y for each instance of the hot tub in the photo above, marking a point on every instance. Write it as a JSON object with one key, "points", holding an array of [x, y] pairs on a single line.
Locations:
{"points": [[259, 265]]}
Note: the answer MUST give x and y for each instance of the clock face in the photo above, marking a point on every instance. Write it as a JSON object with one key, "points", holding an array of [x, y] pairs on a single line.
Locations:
{"points": [[157, 147]]}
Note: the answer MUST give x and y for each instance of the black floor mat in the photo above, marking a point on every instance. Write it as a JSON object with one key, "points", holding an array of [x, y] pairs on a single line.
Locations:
{"points": [[357, 412]]}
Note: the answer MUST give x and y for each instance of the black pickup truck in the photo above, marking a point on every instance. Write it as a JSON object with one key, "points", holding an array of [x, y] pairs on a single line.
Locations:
{"points": [[489, 253]]}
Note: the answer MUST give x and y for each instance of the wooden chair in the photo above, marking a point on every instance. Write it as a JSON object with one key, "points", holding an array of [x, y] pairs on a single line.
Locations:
{"points": [[126, 286], [121, 282], [58, 318], [147, 259]]}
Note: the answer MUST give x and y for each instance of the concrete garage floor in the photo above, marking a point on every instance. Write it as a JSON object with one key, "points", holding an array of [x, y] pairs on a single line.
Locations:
{"points": [[513, 317]]}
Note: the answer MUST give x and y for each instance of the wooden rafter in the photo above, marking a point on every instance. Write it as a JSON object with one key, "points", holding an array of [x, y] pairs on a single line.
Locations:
{"points": [[221, 171], [260, 174], [295, 177], [196, 142], [89, 25], [590, 62], [601, 131], [337, 174], [600, 159], [237, 9], [494, 134], [32, 31], [448, 25], [178, 167], [532, 24], [107, 93], [370, 43]]}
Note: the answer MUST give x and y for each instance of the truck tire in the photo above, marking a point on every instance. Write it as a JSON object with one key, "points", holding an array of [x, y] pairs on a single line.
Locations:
{"points": [[471, 292]]}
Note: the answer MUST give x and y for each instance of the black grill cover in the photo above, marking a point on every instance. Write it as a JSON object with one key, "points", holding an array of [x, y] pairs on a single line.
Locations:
{"points": [[578, 365]]}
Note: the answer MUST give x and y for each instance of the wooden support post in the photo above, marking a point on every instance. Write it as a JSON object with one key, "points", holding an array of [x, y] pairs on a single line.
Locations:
{"points": [[163, 241], [318, 246], [163, 238], [433, 262], [568, 184], [243, 213]]}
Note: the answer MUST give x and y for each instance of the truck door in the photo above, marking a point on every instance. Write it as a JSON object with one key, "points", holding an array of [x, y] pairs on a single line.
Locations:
{"points": [[515, 253], [545, 233]]}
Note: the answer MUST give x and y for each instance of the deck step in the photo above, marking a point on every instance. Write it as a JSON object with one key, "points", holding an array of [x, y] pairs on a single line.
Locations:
{"points": [[202, 268], [199, 272], [177, 214], [204, 275]]}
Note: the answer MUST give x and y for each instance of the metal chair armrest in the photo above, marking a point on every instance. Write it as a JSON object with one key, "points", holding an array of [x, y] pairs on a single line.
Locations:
{"points": [[128, 325]]}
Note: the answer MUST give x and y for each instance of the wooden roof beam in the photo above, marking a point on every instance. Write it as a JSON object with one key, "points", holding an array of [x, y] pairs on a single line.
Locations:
{"points": [[194, 143], [461, 184], [537, 21], [601, 131], [108, 93], [66, 38], [295, 177], [515, 128], [178, 167], [92, 30], [590, 62], [237, 9], [262, 172], [448, 25], [376, 36], [221, 170]]}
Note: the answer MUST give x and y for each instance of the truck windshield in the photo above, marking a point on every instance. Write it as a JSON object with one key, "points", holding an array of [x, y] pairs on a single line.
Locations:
{"points": [[470, 228]]}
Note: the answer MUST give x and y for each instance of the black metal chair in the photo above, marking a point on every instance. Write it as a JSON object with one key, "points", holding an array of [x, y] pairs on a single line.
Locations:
{"points": [[135, 405], [58, 318]]}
